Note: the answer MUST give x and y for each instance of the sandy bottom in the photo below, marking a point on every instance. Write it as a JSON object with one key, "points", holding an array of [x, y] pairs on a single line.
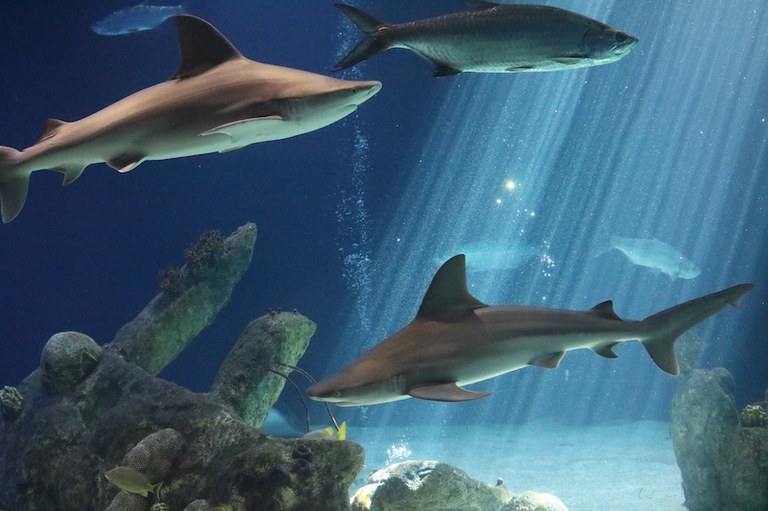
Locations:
{"points": [[623, 467]]}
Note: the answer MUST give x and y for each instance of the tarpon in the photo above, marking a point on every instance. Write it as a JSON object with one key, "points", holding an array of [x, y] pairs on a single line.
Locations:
{"points": [[217, 101], [136, 18], [656, 255], [483, 256], [455, 339], [494, 38]]}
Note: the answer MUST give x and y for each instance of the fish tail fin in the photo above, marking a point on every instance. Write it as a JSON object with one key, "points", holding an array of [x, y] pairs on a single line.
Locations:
{"points": [[666, 326], [370, 45], [13, 183], [342, 433]]}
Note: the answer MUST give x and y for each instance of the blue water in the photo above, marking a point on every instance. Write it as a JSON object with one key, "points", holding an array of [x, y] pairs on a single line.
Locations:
{"points": [[669, 143]]}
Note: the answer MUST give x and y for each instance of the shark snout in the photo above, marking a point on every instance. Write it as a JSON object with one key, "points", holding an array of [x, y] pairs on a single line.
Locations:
{"points": [[363, 91]]}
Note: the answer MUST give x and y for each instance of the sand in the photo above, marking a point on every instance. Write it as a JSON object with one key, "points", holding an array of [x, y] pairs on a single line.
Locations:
{"points": [[622, 467]]}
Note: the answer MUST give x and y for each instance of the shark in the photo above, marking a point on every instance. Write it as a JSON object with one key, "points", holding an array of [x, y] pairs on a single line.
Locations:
{"points": [[456, 340], [217, 101], [494, 38]]}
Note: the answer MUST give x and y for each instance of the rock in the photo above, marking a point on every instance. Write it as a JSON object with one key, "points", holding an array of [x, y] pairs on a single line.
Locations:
{"points": [[244, 380], [723, 465], [427, 486], [172, 320], [84, 415], [533, 501], [67, 358], [11, 402]]}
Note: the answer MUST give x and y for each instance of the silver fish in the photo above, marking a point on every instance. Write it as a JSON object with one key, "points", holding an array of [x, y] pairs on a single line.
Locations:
{"points": [[656, 255], [494, 38], [135, 19]]}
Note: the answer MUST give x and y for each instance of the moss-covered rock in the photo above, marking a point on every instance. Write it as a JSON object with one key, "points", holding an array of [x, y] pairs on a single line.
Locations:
{"points": [[427, 486], [173, 318], [723, 464], [87, 410]]}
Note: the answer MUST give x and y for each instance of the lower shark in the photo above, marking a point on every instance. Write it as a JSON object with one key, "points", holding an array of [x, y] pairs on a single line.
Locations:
{"points": [[216, 101], [455, 339]]}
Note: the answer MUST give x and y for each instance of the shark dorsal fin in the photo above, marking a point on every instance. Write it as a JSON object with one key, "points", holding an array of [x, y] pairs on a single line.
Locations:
{"points": [[51, 126], [447, 296], [201, 46], [480, 5], [605, 310]]}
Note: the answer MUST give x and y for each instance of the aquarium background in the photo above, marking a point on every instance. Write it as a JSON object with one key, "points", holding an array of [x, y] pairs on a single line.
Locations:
{"points": [[670, 143]]}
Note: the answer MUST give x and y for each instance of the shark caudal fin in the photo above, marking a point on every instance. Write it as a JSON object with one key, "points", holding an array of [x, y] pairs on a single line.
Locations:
{"points": [[13, 184], [665, 326], [369, 46]]}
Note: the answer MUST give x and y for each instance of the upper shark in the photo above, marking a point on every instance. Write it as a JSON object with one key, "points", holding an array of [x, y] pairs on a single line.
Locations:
{"points": [[216, 101], [494, 38], [456, 339]]}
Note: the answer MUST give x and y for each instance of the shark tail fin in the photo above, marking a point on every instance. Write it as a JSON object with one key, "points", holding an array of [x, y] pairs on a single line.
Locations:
{"points": [[666, 326], [13, 184], [370, 45]]}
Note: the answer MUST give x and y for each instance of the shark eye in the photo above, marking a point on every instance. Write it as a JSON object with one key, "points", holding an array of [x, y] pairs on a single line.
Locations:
{"points": [[337, 393]]}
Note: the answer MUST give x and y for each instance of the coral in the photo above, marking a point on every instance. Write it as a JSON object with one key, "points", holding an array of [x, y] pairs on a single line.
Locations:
{"points": [[208, 248], [127, 502], [172, 280], [154, 455], [754, 416], [67, 358], [723, 464], [109, 410], [426, 486], [11, 402], [533, 501]]}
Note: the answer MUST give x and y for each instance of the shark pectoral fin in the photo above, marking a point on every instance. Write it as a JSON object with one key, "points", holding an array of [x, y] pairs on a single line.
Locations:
{"points": [[125, 162], [445, 392], [606, 350], [442, 70], [548, 361], [246, 131], [71, 172]]}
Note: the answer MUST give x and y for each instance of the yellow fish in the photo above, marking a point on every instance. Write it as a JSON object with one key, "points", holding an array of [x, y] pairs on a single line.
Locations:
{"points": [[328, 433], [131, 481]]}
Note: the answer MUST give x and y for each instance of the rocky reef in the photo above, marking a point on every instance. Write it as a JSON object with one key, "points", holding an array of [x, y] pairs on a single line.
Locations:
{"points": [[435, 486], [89, 409], [722, 453]]}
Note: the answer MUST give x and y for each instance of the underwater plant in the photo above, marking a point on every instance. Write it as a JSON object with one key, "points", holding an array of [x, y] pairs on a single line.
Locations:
{"points": [[203, 254], [754, 416], [208, 248]]}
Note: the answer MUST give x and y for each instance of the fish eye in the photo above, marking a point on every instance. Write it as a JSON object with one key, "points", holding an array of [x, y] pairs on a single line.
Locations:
{"points": [[337, 393]]}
